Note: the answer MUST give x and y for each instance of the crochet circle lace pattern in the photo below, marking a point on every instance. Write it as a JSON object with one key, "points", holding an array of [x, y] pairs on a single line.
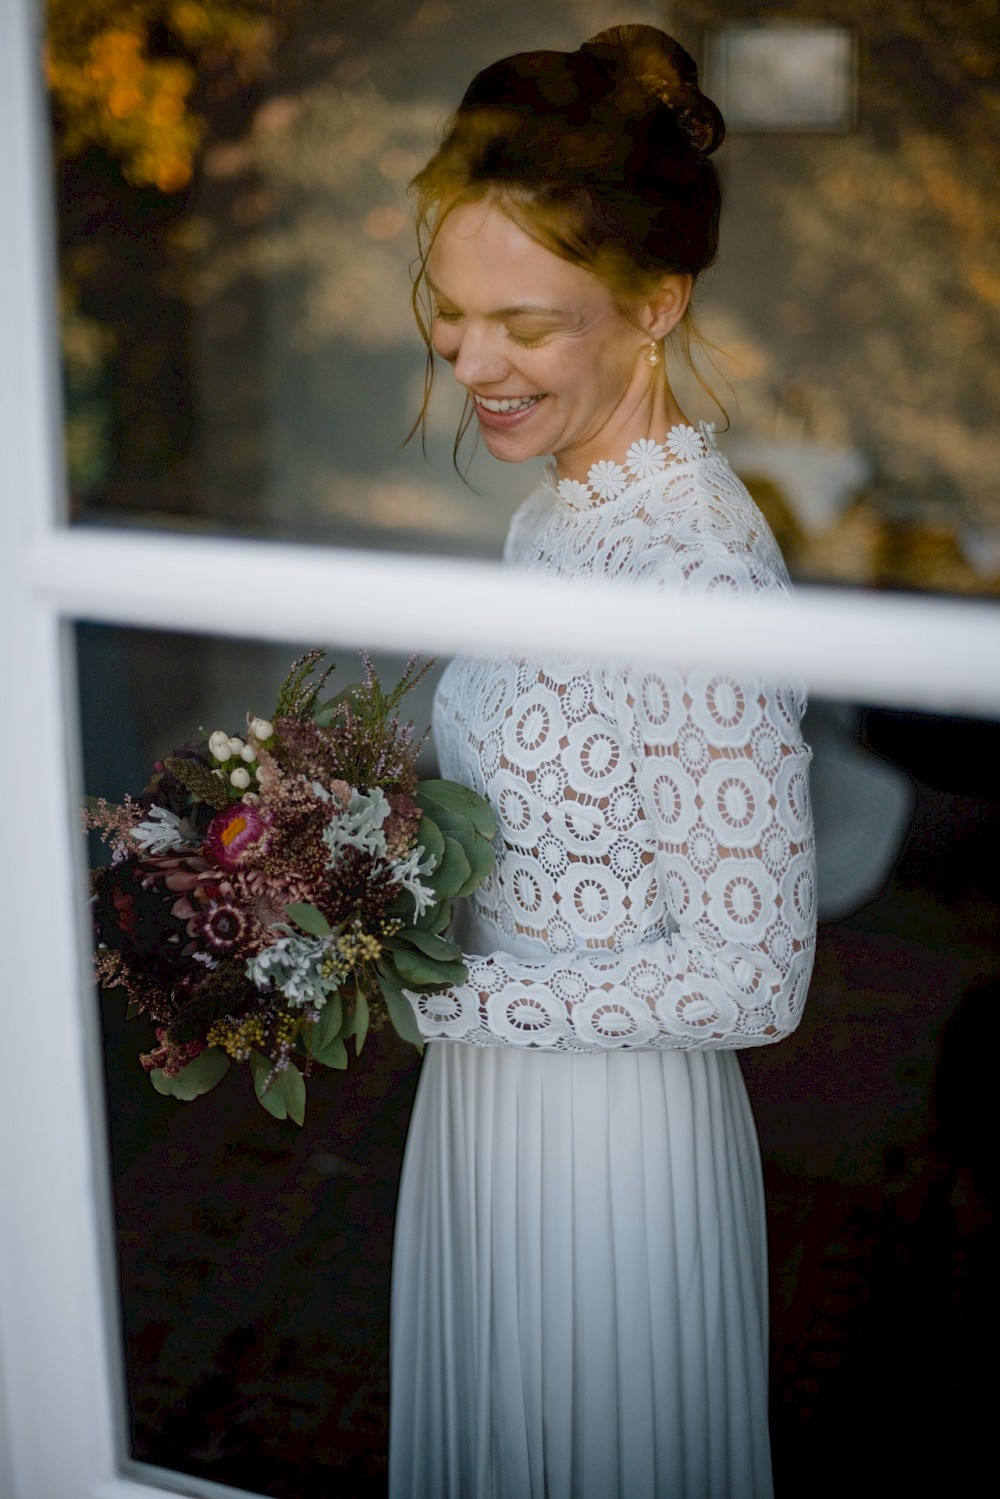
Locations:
{"points": [[655, 879]]}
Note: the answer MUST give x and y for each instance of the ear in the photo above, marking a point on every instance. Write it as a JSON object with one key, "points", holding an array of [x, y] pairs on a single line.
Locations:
{"points": [[666, 306]]}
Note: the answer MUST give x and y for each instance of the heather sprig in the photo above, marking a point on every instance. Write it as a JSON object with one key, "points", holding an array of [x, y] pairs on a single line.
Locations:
{"points": [[372, 747], [297, 695], [112, 822]]}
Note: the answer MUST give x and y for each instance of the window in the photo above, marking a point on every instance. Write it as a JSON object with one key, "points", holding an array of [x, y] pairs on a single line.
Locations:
{"points": [[60, 1384]]}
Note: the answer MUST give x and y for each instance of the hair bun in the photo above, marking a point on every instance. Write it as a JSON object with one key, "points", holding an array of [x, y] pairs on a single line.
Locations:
{"points": [[658, 67]]}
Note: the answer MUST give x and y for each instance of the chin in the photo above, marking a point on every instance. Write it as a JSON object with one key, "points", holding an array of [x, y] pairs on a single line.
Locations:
{"points": [[511, 447]]}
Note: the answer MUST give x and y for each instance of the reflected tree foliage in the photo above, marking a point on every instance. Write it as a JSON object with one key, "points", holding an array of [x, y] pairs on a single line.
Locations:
{"points": [[858, 291], [121, 77]]}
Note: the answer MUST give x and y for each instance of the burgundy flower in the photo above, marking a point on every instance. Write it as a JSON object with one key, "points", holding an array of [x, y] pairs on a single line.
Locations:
{"points": [[402, 824], [236, 834], [168, 1056], [220, 926]]}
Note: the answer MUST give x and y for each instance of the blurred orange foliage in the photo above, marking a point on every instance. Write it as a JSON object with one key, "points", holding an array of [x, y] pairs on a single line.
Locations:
{"points": [[121, 75]]}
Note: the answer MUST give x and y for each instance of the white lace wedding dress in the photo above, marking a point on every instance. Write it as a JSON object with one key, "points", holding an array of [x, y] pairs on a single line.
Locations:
{"points": [[579, 1305]]}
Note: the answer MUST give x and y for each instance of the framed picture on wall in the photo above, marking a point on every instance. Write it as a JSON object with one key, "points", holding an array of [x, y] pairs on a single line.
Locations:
{"points": [[772, 76]]}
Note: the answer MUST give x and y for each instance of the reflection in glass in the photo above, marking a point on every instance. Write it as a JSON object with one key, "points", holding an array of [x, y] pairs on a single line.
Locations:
{"points": [[782, 77], [239, 351], [254, 1258]]}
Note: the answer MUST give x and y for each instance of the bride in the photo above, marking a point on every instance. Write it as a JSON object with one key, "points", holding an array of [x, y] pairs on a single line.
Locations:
{"points": [[579, 1285]]}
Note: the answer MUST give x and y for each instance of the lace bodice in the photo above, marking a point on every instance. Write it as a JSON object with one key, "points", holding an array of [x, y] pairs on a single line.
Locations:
{"points": [[654, 882]]}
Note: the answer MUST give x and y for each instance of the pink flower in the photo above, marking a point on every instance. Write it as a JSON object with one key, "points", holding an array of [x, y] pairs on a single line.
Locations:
{"points": [[236, 834]]}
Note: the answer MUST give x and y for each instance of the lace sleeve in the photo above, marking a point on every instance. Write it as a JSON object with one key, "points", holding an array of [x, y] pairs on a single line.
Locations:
{"points": [[693, 912]]}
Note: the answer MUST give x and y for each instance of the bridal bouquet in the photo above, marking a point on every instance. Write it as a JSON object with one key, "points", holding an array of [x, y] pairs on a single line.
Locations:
{"points": [[270, 896]]}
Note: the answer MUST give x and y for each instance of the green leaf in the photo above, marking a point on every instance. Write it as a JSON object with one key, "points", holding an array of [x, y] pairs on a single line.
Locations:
{"points": [[481, 861], [454, 822], [286, 1097], [435, 917], [418, 972], [430, 837], [198, 1077], [333, 703], [457, 798], [327, 1027], [309, 919], [453, 871], [400, 1012], [431, 945], [334, 1054], [361, 1019]]}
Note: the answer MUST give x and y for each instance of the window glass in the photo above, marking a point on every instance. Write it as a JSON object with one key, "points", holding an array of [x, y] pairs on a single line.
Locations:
{"points": [[254, 1256], [239, 349]]}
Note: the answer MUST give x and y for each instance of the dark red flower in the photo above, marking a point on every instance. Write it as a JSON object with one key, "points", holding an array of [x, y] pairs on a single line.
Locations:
{"points": [[220, 926], [236, 834]]}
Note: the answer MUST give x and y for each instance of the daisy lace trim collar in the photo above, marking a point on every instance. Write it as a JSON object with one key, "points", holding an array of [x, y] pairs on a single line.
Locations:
{"points": [[643, 461]]}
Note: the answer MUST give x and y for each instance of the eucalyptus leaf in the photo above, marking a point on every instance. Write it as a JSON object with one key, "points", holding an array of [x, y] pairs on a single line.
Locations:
{"points": [[361, 1019], [418, 972], [481, 860], [286, 1096], [458, 798], [198, 1077], [309, 918], [431, 946], [334, 1054], [454, 822], [435, 918], [327, 1027], [400, 1012], [430, 837], [453, 871]]}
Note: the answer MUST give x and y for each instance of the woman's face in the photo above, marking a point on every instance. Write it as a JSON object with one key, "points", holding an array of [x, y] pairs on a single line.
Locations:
{"points": [[523, 328]]}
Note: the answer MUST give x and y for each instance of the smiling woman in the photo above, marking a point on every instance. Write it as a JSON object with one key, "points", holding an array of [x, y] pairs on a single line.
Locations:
{"points": [[579, 1276], [543, 346], [632, 201]]}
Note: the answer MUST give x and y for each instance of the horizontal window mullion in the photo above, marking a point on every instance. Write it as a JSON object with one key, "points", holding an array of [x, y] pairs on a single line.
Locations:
{"points": [[900, 650]]}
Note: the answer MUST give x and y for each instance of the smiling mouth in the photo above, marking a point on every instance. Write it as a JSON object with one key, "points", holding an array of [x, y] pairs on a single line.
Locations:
{"points": [[515, 403]]}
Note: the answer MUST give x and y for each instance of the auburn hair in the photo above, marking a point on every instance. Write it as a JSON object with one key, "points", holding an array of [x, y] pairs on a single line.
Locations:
{"points": [[602, 155]]}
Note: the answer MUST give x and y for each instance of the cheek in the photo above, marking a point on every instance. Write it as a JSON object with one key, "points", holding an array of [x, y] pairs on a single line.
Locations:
{"points": [[445, 342]]}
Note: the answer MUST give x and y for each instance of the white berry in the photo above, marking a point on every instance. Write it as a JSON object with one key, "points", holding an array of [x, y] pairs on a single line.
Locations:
{"points": [[218, 744], [261, 729], [239, 778]]}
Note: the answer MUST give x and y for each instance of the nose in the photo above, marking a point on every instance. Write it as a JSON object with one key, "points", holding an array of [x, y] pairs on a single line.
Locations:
{"points": [[477, 361]]}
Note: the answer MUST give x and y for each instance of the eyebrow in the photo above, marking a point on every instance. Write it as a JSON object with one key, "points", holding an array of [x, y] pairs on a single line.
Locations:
{"points": [[526, 309]]}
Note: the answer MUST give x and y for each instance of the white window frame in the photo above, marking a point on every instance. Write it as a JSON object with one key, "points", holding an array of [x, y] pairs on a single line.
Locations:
{"points": [[61, 1394]]}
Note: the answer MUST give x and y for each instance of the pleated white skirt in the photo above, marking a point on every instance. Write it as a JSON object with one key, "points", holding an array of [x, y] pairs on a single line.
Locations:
{"points": [[579, 1300]]}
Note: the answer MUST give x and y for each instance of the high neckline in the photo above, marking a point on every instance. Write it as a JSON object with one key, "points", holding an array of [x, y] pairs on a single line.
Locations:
{"points": [[607, 481]]}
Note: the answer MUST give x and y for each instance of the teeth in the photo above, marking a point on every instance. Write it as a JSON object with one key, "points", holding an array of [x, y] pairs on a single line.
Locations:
{"points": [[519, 404]]}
